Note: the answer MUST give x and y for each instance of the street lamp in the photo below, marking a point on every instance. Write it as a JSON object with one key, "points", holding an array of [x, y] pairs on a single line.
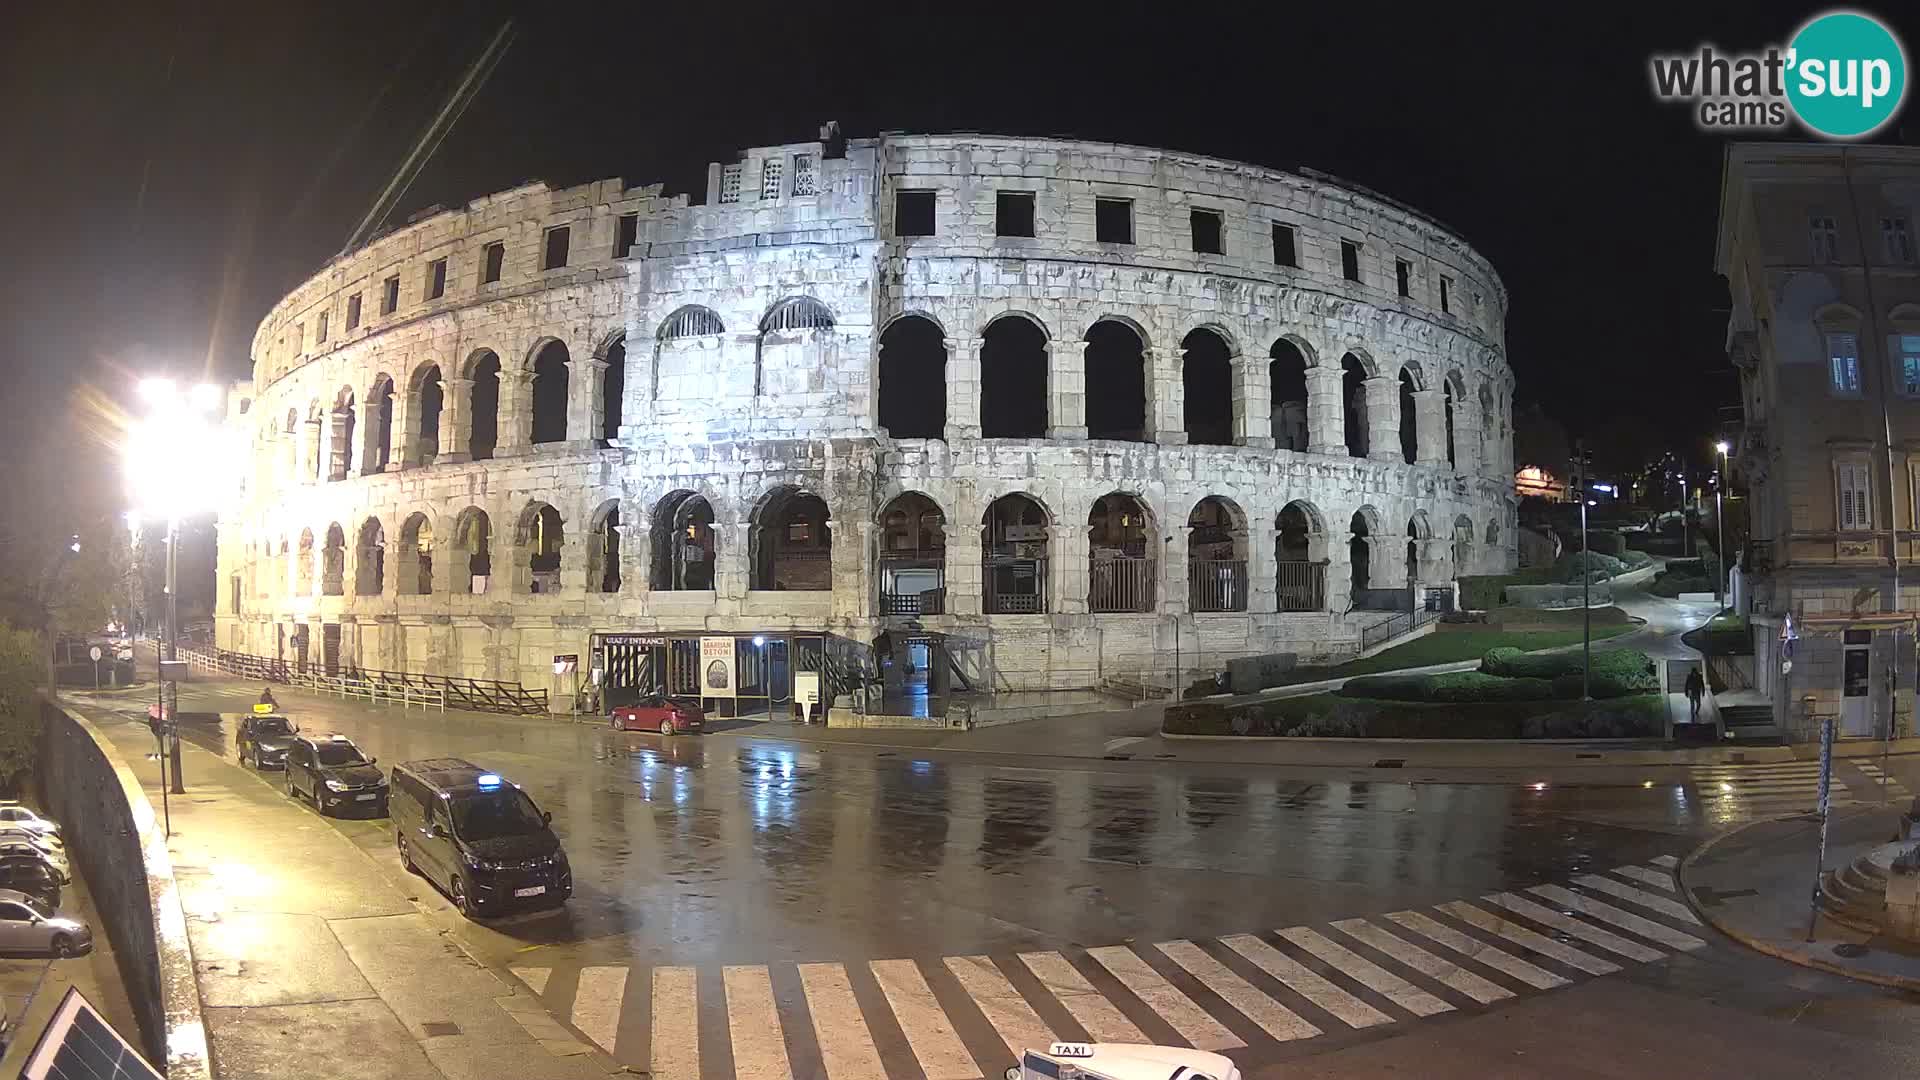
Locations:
{"points": [[1720, 521]]}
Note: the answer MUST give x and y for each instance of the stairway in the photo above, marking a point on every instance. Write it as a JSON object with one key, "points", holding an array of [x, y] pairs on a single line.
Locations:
{"points": [[1748, 724], [1856, 894]]}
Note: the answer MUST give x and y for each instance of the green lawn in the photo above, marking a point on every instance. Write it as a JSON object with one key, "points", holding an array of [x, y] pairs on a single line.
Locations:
{"points": [[1638, 715], [1450, 646]]}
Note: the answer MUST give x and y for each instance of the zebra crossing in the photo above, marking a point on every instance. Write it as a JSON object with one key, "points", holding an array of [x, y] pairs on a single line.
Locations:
{"points": [[1782, 788], [967, 1017]]}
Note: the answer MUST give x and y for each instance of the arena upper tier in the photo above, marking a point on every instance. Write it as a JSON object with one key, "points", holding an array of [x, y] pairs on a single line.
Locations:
{"points": [[1032, 404]]}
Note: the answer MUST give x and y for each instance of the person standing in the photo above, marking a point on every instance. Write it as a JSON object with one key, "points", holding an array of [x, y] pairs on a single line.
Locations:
{"points": [[1696, 689]]}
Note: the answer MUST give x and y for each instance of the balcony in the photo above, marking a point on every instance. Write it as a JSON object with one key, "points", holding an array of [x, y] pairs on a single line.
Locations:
{"points": [[1217, 585], [1121, 584]]}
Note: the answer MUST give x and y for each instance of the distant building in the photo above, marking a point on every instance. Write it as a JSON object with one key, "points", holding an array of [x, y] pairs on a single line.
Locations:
{"points": [[1532, 480], [1817, 244]]}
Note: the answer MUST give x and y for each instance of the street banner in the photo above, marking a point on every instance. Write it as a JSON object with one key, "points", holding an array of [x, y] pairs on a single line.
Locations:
{"points": [[716, 667]]}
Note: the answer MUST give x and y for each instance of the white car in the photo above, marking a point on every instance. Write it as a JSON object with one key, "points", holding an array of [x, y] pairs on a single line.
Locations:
{"points": [[1121, 1061], [22, 844], [19, 818]]}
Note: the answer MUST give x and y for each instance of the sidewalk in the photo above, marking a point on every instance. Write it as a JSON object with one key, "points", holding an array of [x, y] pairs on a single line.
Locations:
{"points": [[1754, 884], [311, 961]]}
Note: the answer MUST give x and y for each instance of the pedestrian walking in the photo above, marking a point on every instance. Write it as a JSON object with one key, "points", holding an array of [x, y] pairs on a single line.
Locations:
{"points": [[1696, 689]]}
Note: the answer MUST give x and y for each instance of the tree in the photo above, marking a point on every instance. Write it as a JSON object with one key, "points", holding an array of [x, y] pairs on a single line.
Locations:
{"points": [[20, 673], [63, 547]]}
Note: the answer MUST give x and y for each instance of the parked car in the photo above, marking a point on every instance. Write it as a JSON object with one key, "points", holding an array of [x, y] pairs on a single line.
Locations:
{"points": [[334, 775], [30, 875], [29, 926], [263, 739], [18, 817], [658, 713], [23, 845], [478, 837]]}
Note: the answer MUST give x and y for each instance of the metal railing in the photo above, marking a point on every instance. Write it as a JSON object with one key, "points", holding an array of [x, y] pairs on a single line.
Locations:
{"points": [[1301, 586], [406, 688], [1217, 584], [931, 601], [1008, 597], [928, 602], [1403, 622], [1120, 584]]}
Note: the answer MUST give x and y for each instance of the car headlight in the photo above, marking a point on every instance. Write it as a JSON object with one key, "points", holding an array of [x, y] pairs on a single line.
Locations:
{"points": [[335, 785]]}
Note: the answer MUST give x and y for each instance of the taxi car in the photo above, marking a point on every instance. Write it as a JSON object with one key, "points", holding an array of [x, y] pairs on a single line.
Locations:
{"points": [[1121, 1061]]}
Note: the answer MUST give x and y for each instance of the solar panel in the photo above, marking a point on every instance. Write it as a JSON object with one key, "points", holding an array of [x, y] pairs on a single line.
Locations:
{"points": [[79, 1044]]}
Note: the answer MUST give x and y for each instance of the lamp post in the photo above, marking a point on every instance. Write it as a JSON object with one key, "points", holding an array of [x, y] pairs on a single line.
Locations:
{"points": [[1720, 522]]}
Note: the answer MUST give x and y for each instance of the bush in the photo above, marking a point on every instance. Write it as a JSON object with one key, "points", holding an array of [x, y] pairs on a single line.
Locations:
{"points": [[1195, 718], [1695, 567], [1669, 584], [1615, 672], [1570, 568], [1460, 687], [1333, 725], [1389, 687], [1637, 718]]}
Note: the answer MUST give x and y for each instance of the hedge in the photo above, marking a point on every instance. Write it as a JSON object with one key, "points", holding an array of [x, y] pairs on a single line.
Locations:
{"points": [[1325, 715], [1460, 686]]}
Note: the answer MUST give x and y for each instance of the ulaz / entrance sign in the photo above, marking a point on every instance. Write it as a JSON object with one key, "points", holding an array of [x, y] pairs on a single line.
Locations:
{"points": [[716, 667]]}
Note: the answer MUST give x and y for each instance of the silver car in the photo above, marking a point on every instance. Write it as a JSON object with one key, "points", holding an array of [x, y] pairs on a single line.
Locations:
{"points": [[29, 926], [18, 844]]}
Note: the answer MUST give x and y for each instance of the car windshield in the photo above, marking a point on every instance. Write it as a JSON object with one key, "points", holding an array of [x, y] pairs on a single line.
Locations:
{"points": [[487, 815], [339, 754], [38, 908], [272, 725]]}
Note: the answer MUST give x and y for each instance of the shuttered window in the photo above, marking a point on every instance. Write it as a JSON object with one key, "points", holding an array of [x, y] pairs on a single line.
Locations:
{"points": [[1856, 496]]}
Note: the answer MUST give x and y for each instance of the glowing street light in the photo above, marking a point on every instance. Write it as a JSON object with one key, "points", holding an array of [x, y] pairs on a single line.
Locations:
{"points": [[1720, 522]]}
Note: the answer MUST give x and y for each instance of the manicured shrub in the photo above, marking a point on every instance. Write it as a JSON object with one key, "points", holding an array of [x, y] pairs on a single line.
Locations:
{"points": [[1195, 718], [1334, 725], [1599, 567], [1474, 686], [1630, 718]]}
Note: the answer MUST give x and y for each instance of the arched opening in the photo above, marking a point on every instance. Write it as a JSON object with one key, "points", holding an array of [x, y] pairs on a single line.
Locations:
{"points": [[603, 550], [333, 562], [913, 379], [1116, 383], [1015, 534], [1206, 376], [550, 393], [1353, 394], [913, 556], [1462, 545], [379, 448], [1487, 423], [1120, 557], [1300, 558], [683, 543], [303, 565], [317, 423], [1216, 556], [473, 551], [1360, 554], [791, 543], [1453, 457], [1013, 379], [416, 557], [539, 538], [1493, 534], [483, 433], [613, 389], [370, 560], [340, 437], [1409, 419], [1287, 385], [1417, 532], [431, 397], [778, 356]]}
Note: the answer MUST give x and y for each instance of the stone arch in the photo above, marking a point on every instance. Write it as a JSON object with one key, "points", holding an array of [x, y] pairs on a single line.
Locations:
{"points": [[482, 368], [550, 392], [1287, 362], [370, 559], [1013, 377], [613, 384], [333, 562], [303, 565], [913, 378], [1210, 390], [1354, 373], [473, 551], [785, 322], [1409, 415], [1493, 534], [913, 555], [378, 450], [1300, 557], [1016, 534], [1488, 437], [603, 548], [538, 536], [340, 435], [1116, 379], [414, 567], [1362, 529], [293, 421], [690, 320], [1121, 555], [790, 541], [1217, 555], [1462, 545], [427, 393], [1451, 391], [1418, 526], [683, 543]]}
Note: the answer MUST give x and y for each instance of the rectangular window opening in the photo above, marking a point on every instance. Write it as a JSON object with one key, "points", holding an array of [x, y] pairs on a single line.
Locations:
{"points": [[390, 298], [913, 213], [1207, 227], [803, 182], [1284, 251], [496, 261], [1843, 363], [1910, 364], [1403, 276], [629, 235], [1855, 491], [559, 239], [730, 183], [1825, 238], [1350, 260], [353, 313], [436, 279], [1446, 294], [770, 178], [320, 330], [1899, 241], [1113, 221], [1013, 213]]}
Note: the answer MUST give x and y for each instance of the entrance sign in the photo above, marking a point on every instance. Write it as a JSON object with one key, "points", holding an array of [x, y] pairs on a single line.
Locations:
{"points": [[566, 663], [716, 667], [806, 693]]}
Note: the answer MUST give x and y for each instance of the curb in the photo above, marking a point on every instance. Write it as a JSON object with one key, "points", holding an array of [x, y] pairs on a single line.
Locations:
{"points": [[1765, 948]]}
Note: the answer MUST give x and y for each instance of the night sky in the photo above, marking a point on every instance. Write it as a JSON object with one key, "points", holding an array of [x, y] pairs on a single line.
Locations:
{"points": [[173, 169]]}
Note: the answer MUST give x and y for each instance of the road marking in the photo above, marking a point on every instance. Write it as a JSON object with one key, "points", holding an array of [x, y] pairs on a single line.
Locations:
{"points": [[675, 1024], [1625, 920], [1667, 861], [846, 1046], [1606, 939], [1274, 1018], [1015, 1021], [753, 1022], [1474, 949], [535, 978], [1647, 877], [1094, 1012], [1424, 962], [1661, 904], [935, 1044], [1306, 982], [1201, 1031], [1520, 935], [596, 1005], [1367, 973]]}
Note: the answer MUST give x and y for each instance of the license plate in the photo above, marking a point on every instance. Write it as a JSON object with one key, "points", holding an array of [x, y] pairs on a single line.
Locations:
{"points": [[531, 890], [368, 797]]}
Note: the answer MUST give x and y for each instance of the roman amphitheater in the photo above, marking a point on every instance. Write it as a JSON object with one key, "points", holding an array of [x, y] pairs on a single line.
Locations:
{"points": [[974, 411]]}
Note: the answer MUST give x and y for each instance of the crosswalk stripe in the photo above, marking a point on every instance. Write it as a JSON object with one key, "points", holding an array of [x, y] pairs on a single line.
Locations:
{"points": [[1625, 920], [1647, 877], [846, 1046], [753, 1023], [1424, 962], [1015, 1021], [1306, 982], [535, 978], [675, 1024], [1520, 935], [1606, 939], [1367, 973], [1274, 1018], [1670, 908], [596, 1006], [935, 1044], [1771, 788], [1095, 1013], [1201, 1031], [1667, 861], [1474, 949]]}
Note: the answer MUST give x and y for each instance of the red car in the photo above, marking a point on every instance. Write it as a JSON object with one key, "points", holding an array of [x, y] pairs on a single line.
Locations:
{"points": [[661, 714]]}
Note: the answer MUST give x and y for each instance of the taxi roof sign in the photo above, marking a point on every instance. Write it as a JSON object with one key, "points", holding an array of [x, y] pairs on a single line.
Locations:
{"points": [[1070, 1050], [262, 707]]}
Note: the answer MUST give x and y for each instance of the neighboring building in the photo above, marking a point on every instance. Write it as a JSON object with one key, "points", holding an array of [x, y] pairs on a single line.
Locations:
{"points": [[1037, 405], [1532, 481], [1817, 244]]}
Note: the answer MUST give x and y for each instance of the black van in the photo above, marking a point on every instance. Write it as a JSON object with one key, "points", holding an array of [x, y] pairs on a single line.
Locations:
{"points": [[476, 836]]}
